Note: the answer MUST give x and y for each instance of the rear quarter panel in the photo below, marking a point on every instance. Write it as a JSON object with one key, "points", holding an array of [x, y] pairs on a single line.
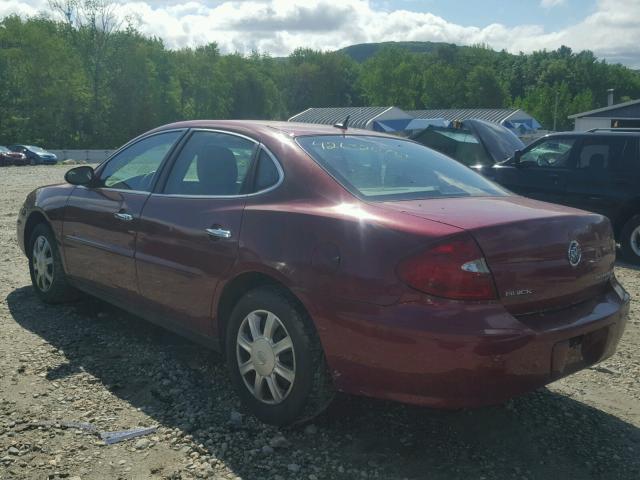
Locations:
{"points": [[325, 243]]}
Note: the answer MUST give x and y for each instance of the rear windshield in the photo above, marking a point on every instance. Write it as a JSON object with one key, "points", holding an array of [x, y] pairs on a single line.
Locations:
{"points": [[458, 144], [380, 168]]}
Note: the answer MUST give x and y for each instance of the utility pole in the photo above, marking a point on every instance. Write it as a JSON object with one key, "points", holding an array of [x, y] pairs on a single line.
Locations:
{"points": [[555, 110]]}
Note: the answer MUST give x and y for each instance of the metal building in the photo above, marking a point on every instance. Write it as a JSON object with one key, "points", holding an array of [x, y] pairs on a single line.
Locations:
{"points": [[514, 119], [360, 117]]}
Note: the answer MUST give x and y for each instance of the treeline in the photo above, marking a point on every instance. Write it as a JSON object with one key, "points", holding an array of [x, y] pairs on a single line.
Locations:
{"points": [[92, 83]]}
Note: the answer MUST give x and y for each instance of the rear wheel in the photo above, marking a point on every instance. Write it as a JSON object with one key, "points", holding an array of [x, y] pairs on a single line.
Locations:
{"points": [[45, 266], [630, 240], [275, 358]]}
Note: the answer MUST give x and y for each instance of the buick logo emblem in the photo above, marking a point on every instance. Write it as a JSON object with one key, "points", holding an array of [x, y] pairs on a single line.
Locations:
{"points": [[574, 254]]}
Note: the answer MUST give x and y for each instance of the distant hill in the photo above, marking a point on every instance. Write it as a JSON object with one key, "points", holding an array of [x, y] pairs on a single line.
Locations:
{"points": [[363, 51]]}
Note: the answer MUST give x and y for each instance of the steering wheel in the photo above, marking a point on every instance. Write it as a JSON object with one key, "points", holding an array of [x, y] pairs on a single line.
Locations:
{"points": [[543, 160]]}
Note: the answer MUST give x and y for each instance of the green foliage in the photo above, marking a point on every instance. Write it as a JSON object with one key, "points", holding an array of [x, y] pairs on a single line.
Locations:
{"points": [[483, 88], [393, 77], [87, 82]]}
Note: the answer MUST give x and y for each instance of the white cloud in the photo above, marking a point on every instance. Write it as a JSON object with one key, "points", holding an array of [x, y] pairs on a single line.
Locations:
{"points": [[551, 3], [279, 26], [20, 7]]}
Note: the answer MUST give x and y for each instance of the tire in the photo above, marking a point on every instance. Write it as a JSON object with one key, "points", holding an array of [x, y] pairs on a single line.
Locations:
{"points": [[32, 161], [310, 390], [47, 274], [630, 240]]}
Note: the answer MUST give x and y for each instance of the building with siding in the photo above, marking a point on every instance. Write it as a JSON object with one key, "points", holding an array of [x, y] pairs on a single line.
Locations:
{"points": [[621, 115]]}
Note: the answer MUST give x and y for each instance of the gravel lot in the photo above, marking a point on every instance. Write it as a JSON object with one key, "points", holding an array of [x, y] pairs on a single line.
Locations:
{"points": [[90, 362]]}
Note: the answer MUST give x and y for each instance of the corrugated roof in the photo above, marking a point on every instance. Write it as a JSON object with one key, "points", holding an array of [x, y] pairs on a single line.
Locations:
{"points": [[360, 116], [605, 109], [495, 115]]}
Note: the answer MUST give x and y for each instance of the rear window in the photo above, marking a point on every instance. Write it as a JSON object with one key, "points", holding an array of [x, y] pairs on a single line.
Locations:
{"points": [[379, 168], [458, 144], [33, 148]]}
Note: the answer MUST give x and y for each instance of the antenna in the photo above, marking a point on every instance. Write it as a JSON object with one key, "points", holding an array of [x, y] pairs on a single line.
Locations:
{"points": [[343, 125]]}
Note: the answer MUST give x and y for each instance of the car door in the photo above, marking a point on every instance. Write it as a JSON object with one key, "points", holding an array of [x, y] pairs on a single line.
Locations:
{"points": [[542, 171], [603, 178], [189, 228], [101, 221]]}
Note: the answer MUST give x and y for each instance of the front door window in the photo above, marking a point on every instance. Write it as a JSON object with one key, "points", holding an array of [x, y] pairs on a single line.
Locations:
{"points": [[136, 166], [551, 153]]}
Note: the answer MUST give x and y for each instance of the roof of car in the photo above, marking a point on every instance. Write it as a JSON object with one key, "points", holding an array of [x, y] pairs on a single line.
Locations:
{"points": [[293, 129], [596, 132]]}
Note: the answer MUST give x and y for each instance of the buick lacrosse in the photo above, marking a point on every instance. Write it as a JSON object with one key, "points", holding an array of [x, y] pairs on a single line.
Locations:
{"points": [[324, 259]]}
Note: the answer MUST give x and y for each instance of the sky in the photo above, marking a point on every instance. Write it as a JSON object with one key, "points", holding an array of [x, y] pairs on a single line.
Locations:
{"points": [[610, 28]]}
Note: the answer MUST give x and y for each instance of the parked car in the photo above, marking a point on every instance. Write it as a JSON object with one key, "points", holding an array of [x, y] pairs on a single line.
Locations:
{"points": [[35, 155], [322, 259], [597, 171], [7, 157], [472, 142]]}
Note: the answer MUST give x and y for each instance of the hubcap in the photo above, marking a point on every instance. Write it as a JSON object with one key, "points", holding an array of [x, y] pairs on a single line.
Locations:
{"points": [[42, 260], [635, 241], [265, 356]]}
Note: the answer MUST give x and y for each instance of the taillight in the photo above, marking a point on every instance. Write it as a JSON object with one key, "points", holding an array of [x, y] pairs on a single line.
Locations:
{"points": [[454, 268]]}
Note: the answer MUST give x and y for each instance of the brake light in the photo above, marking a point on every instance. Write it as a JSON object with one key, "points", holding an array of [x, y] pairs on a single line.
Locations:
{"points": [[454, 268]]}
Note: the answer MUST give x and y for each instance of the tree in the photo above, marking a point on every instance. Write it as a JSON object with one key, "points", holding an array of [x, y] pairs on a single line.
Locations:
{"points": [[442, 86], [483, 89], [393, 77], [89, 79], [91, 24], [318, 79]]}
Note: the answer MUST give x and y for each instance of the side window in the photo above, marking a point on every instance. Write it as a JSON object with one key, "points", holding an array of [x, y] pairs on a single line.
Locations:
{"points": [[135, 167], [626, 157], [550, 153], [267, 173], [211, 163], [609, 154], [595, 155]]}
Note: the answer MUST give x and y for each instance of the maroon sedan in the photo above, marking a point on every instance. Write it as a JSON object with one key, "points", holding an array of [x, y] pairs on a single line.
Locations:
{"points": [[321, 259], [7, 157]]}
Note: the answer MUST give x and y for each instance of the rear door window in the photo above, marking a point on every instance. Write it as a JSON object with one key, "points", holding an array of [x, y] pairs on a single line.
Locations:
{"points": [[267, 173], [212, 164], [602, 155]]}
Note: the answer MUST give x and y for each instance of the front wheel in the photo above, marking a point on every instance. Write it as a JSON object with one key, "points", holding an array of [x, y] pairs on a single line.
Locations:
{"points": [[45, 266], [275, 358]]}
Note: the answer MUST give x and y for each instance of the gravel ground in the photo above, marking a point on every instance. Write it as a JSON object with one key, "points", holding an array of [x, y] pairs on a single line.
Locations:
{"points": [[90, 362]]}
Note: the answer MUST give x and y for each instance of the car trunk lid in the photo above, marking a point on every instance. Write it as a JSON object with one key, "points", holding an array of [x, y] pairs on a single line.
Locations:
{"points": [[526, 244]]}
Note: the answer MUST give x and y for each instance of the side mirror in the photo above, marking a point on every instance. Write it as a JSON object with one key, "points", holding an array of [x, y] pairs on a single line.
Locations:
{"points": [[517, 155], [83, 175]]}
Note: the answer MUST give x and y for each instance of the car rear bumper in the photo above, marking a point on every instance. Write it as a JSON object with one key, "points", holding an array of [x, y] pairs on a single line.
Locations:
{"points": [[450, 355]]}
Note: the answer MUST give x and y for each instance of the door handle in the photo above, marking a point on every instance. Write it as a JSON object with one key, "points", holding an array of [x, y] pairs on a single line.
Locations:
{"points": [[218, 232], [125, 217]]}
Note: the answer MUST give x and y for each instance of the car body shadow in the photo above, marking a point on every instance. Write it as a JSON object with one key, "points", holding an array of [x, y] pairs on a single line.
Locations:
{"points": [[185, 386], [623, 264]]}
